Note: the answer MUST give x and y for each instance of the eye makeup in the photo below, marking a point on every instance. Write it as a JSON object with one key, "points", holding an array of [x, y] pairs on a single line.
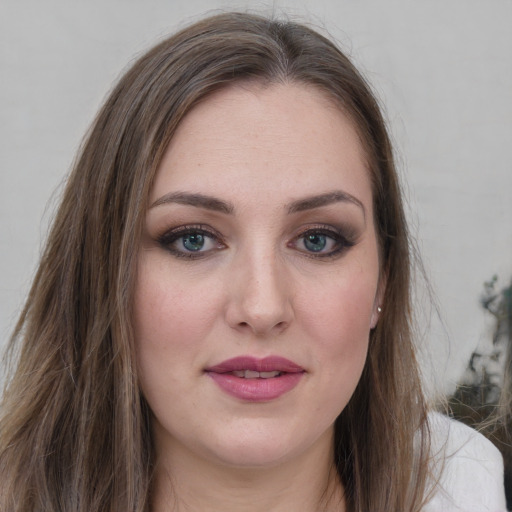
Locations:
{"points": [[191, 241], [323, 241], [316, 241]]}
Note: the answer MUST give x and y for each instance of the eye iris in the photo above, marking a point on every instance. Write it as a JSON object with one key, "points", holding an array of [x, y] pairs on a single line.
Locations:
{"points": [[315, 242], [193, 241]]}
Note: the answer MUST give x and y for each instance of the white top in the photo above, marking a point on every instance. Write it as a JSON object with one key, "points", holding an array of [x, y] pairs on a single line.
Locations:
{"points": [[472, 477]]}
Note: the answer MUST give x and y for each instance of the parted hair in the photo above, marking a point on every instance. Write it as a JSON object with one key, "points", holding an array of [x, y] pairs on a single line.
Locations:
{"points": [[75, 430]]}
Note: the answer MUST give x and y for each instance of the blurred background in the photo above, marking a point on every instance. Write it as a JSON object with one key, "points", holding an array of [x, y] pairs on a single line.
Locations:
{"points": [[442, 71]]}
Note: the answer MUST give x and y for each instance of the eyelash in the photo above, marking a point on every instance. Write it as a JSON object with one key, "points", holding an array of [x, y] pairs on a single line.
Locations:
{"points": [[342, 241], [173, 235]]}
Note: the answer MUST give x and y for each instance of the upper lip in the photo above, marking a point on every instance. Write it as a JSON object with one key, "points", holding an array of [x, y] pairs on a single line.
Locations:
{"points": [[266, 364]]}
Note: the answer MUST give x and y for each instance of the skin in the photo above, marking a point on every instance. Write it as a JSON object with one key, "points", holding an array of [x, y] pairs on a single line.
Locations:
{"points": [[255, 288]]}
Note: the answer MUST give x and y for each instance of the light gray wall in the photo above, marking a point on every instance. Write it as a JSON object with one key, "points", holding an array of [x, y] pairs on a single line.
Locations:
{"points": [[442, 68]]}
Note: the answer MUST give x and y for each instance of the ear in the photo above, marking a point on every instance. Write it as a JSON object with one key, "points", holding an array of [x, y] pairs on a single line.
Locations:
{"points": [[378, 302], [375, 316]]}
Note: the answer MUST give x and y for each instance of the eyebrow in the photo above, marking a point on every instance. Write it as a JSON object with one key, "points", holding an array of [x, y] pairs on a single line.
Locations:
{"points": [[312, 202], [198, 200], [300, 205]]}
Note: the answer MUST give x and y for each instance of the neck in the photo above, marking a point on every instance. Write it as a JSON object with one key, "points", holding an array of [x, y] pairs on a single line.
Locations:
{"points": [[185, 483]]}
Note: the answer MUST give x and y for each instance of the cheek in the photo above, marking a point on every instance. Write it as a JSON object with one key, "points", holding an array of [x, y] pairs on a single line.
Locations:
{"points": [[172, 319], [170, 310], [341, 311], [338, 320]]}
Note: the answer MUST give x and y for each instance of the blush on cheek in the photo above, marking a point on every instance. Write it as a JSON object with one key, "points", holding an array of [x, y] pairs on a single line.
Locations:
{"points": [[341, 330], [343, 316], [171, 318]]}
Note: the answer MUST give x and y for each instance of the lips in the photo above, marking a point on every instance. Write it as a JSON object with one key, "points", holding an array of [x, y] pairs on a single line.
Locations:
{"points": [[256, 380], [249, 374]]}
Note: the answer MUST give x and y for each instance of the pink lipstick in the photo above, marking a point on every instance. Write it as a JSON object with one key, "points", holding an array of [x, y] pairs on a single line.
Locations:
{"points": [[256, 380]]}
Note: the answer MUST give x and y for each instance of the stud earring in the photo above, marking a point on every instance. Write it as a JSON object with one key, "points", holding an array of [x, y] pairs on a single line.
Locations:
{"points": [[379, 309]]}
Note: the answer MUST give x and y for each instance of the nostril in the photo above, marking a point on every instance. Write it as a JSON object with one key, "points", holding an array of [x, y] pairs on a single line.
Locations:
{"points": [[280, 326]]}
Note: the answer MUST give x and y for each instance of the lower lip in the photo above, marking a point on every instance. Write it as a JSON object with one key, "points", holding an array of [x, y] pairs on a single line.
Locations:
{"points": [[256, 390]]}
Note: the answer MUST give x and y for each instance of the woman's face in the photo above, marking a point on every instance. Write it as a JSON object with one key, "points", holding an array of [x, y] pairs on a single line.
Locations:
{"points": [[258, 278]]}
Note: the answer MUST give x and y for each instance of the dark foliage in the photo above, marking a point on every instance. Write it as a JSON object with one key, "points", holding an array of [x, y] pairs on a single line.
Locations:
{"points": [[484, 399]]}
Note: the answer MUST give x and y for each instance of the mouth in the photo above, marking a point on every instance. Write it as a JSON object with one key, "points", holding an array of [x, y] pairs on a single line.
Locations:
{"points": [[256, 380], [249, 374], [252, 367]]}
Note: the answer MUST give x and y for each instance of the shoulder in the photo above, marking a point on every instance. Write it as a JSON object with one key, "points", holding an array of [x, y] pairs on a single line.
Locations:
{"points": [[469, 469]]}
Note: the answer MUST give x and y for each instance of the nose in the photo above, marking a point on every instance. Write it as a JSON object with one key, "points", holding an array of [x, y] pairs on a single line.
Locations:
{"points": [[260, 297]]}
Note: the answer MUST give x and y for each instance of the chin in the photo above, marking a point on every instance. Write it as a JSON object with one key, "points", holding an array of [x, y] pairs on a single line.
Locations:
{"points": [[255, 455], [263, 447]]}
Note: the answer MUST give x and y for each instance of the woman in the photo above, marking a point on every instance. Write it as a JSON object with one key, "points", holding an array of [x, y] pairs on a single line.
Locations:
{"points": [[221, 317]]}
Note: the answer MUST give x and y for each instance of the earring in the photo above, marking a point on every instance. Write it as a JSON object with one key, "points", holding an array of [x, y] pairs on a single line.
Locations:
{"points": [[379, 309]]}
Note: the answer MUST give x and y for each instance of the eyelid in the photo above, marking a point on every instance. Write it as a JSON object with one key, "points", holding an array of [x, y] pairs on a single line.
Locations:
{"points": [[168, 237], [344, 238]]}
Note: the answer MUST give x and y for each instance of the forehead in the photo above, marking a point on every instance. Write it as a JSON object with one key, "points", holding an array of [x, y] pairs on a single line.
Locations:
{"points": [[286, 138]]}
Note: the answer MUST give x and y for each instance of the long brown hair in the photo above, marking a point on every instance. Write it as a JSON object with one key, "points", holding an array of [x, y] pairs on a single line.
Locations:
{"points": [[74, 432]]}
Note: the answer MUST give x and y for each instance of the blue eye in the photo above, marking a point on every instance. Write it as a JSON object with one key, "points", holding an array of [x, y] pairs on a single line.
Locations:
{"points": [[315, 242], [322, 242], [193, 241], [190, 242]]}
